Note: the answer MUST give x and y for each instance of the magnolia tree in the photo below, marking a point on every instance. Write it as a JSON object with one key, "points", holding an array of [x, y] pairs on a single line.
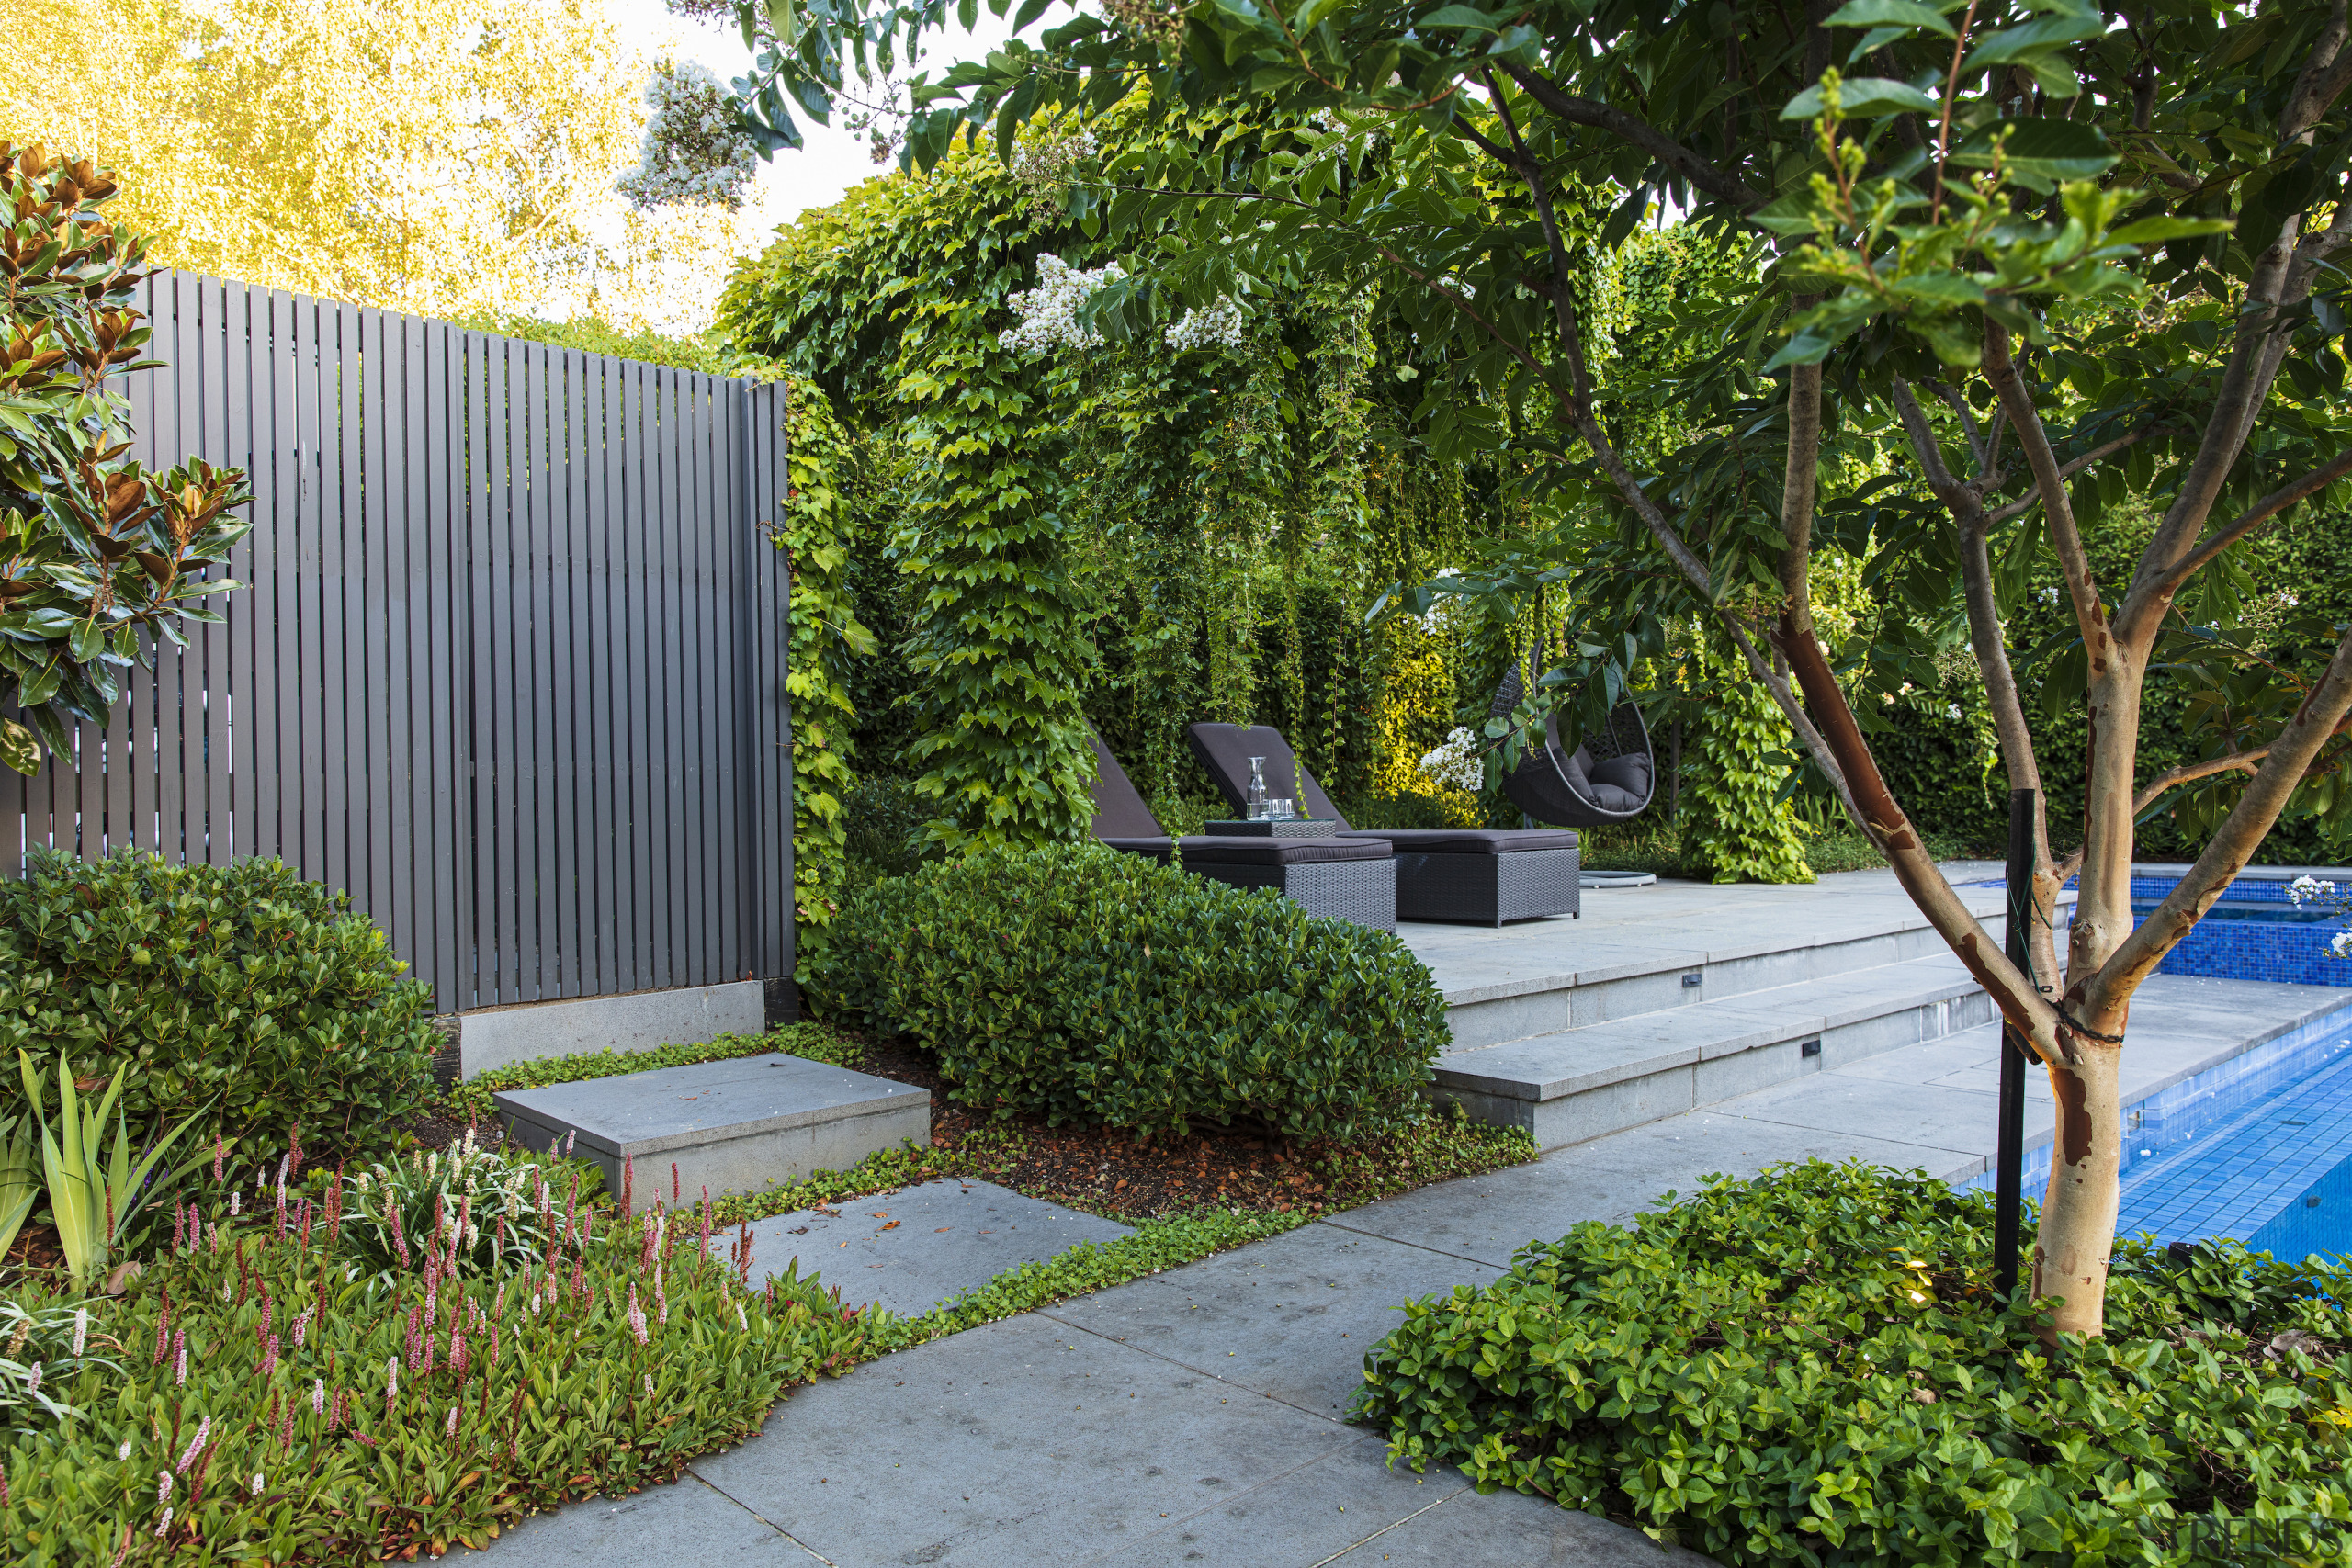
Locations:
{"points": [[100, 561], [2019, 278]]}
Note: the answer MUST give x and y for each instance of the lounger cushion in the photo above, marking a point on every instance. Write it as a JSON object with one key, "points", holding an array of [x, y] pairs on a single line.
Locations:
{"points": [[1214, 850], [1119, 810], [1471, 840], [1628, 775], [1225, 750]]}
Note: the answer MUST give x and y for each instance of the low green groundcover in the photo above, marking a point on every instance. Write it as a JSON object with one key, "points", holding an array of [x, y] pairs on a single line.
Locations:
{"points": [[1092, 987], [312, 1384], [1808, 1368]]}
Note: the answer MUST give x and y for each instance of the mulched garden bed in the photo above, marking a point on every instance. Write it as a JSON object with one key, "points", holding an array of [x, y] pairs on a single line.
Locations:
{"points": [[1120, 1177]]}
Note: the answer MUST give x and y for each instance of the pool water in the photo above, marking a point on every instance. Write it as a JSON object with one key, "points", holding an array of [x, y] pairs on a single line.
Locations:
{"points": [[2258, 1148], [2274, 1173], [2254, 932]]}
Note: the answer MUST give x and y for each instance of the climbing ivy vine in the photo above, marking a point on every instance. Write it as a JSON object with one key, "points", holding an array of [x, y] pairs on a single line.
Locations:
{"points": [[826, 635]]}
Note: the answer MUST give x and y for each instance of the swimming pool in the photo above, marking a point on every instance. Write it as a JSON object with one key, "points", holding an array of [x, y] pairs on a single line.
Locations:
{"points": [[2254, 932], [2258, 1148]]}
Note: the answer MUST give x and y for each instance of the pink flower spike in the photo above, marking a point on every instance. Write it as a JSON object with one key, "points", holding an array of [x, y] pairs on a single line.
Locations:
{"points": [[195, 1444]]}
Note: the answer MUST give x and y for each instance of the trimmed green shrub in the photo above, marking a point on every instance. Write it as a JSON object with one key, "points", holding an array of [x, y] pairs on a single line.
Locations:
{"points": [[259, 1399], [471, 1099], [1808, 1369], [239, 993], [1090, 987]]}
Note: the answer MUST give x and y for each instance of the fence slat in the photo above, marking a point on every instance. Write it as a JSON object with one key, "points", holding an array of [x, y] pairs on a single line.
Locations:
{"points": [[640, 590], [436, 396], [483, 435]]}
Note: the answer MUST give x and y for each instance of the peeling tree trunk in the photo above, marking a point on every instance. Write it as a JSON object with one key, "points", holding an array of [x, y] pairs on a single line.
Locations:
{"points": [[2077, 1226]]}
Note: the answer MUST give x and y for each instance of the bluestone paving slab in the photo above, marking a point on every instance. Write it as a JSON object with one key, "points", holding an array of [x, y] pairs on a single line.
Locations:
{"points": [[1289, 1317], [1020, 1442], [1925, 1114], [649, 1527], [1526, 1532], [909, 1251], [1333, 1509], [1487, 1218], [741, 1125]]}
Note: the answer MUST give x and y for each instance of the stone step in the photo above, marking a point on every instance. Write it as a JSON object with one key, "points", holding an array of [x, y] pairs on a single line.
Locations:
{"points": [[1543, 983], [1575, 1084], [736, 1126]]}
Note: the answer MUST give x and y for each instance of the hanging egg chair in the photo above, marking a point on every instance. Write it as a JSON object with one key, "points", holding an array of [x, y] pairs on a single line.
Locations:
{"points": [[1611, 777]]}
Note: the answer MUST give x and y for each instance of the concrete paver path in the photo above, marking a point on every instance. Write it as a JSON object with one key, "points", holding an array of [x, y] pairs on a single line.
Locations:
{"points": [[1194, 1416]]}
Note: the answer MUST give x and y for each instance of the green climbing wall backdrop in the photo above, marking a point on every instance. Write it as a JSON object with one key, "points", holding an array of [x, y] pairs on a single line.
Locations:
{"points": [[1012, 521]]}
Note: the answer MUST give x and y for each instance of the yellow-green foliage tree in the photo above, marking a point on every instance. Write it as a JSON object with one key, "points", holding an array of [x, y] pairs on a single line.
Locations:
{"points": [[445, 157]]}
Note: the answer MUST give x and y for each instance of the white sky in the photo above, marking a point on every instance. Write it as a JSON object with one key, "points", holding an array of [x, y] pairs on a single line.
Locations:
{"points": [[830, 160]]}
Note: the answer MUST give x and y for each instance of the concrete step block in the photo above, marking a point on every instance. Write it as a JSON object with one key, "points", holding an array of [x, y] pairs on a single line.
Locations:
{"points": [[1570, 1085], [736, 1126]]}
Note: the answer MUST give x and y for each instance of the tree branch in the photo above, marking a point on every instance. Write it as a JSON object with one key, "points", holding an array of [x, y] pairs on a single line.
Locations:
{"points": [[2012, 990], [2254, 517], [1989, 643], [2050, 486], [1722, 185], [2189, 772], [2103, 450]]}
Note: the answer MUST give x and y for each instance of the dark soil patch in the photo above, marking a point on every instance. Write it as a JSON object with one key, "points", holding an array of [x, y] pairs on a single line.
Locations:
{"points": [[1116, 1174], [35, 1249]]}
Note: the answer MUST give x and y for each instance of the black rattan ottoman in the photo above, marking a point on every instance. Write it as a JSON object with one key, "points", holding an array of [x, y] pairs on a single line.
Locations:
{"points": [[1361, 892], [1488, 889]]}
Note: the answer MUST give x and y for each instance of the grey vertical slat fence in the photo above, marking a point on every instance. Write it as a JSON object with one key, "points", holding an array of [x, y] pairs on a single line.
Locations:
{"points": [[510, 663]]}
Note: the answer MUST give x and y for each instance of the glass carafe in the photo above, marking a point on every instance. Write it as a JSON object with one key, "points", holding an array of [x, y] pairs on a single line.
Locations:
{"points": [[1254, 803]]}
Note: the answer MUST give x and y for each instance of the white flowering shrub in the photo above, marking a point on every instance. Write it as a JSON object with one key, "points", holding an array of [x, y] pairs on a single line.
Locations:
{"points": [[1049, 312], [693, 154], [2330, 899], [1456, 764], [1044, 161], [1217, 326]]}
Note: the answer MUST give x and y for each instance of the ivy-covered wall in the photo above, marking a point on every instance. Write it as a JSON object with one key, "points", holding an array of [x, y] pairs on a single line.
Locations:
{"points": [[997, 544]]}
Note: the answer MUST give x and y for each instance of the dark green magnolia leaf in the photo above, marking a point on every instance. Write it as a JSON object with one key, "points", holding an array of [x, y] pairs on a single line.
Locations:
{"points": [[18, 748], [2046, 149], [2036, 40], [1459, 16], [1899, 15], [1791, 212], [1864, 97], [2157, 230]]}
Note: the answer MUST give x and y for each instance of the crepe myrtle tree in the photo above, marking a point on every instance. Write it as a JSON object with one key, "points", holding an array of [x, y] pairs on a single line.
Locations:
{"points": [[2019, 267], [99, 560]]}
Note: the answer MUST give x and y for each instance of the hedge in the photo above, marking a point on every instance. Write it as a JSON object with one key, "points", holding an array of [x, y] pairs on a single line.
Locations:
{"points": [[240, 993], [1090, 987]]}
